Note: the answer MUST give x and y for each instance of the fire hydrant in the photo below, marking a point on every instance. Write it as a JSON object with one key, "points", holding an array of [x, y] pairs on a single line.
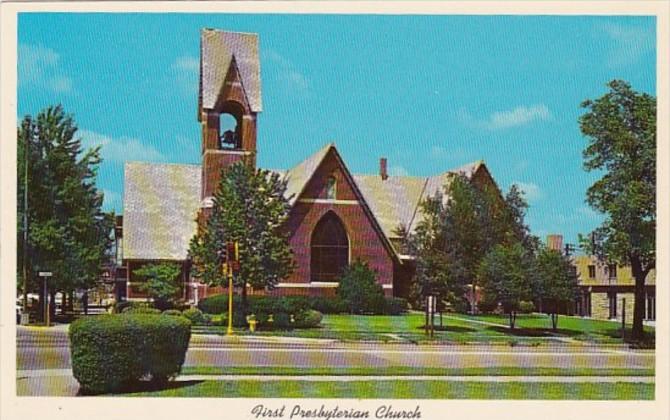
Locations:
{"points": [[251, 320]]}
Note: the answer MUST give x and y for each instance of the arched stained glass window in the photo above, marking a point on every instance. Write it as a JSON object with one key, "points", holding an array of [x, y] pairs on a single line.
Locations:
{"points": [[330, 249]]}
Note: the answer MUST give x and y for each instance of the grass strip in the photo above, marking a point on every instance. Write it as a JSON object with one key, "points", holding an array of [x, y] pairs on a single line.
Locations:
{"points": [[407, 389], [414, 371]]}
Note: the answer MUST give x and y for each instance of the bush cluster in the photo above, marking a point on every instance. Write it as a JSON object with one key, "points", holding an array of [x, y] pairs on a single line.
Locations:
{"points": [[140, 310], [271, 312], [195, 315], [124, 304], [112, 353], [172, 312]]}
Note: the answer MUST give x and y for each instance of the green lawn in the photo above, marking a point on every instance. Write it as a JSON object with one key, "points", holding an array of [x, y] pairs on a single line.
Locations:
{"points": [[578, 328], [416, 371], [457, 328], [406, 389]]}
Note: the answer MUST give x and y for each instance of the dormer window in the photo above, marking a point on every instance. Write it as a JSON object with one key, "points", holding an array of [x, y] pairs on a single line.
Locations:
{"points": [[331, 188]]}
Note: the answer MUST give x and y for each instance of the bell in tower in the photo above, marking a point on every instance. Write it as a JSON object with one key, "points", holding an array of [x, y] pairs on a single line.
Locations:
{"points": [[229, 100]]}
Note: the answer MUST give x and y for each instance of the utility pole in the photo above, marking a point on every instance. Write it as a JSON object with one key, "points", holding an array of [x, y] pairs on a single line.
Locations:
{"points": [[25, 226]]}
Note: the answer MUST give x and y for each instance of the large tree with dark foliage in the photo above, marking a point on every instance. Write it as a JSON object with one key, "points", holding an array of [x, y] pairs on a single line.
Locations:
{"points": [[250, 207], [68, 233], [461, 225], [621, 130]]}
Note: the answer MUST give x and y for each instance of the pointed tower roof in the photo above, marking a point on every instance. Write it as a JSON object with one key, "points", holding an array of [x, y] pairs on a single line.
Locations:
{"points": [[217, 49]]}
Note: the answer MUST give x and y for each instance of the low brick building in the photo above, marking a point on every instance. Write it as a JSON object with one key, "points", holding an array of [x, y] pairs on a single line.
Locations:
{"points": [[336, 217]]}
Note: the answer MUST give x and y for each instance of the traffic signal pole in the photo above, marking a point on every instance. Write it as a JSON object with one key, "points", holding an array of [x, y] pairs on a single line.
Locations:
{"points": [[230, 299]]}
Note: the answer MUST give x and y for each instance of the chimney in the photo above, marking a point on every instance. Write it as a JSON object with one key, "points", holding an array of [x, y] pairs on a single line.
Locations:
{"points": [[383, 173], [555, 242]]}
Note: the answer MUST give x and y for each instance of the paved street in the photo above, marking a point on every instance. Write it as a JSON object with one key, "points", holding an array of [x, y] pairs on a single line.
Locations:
{"points": [[39, 349]]}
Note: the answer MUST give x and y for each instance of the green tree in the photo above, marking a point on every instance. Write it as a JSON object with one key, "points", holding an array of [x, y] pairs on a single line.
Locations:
{"points": [[621, 130], [68, 233], [506, 276], [460, 226], [557, 281], [161, 283], [359, 289], [250, 207]]}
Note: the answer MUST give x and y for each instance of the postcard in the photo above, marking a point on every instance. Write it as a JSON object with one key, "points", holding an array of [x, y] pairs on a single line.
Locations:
{"points": [[316, 210]]}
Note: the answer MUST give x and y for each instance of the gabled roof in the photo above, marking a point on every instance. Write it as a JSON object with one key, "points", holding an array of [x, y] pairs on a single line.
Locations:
{"points": [[160, 206], [298, 176], [161, 202], [217, 49]]}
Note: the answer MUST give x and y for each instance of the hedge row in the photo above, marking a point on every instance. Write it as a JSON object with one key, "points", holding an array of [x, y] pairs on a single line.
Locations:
{"points": [[112, 353], [292, 305]]}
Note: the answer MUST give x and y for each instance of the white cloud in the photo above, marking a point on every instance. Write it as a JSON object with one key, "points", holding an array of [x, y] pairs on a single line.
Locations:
{"points": [[631, 42], [532, 192], [120, 149], [518, 116], [38, 67], [287, 73], [185, 70], [397, 170], [500, 120]]}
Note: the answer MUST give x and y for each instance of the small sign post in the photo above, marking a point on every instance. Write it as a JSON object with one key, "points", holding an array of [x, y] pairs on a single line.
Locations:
{"points": [[45, 276]]}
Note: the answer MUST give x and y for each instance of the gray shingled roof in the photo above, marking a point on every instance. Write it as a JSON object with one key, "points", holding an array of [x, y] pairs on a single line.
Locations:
{"points": [[217, 49], [160, 206], [396, 200], [161, 202]]}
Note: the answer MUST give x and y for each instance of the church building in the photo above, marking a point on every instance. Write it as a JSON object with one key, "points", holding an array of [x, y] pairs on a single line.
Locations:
{"points": [[336, 216]]}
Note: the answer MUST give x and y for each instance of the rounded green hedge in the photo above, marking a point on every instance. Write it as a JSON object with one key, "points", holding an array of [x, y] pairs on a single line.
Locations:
{"points": [[308, 319], [112, 353], [141, 310], [195, 315]]}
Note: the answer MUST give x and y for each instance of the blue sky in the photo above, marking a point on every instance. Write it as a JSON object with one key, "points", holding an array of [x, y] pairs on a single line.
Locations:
{"points": [[430, 93]]}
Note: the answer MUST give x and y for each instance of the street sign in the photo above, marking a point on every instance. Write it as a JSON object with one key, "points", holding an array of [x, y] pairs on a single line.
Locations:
{"points": [[45, 274]]}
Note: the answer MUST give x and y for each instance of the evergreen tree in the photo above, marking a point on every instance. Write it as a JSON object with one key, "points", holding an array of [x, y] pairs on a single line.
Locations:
{"points": [[250, 208], [68, 233], [162, 283], [621, 131]]}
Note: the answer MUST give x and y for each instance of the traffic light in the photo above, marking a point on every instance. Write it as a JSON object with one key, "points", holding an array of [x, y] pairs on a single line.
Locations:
{"points": [[232, 249]]}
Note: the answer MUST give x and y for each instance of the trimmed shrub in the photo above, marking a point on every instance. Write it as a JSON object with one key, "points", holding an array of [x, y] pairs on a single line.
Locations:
{"points": [[194, 315], [360, 291], [526, 307], [217, 304], [327, 305], [172, 312], [112, 353], [123, 304], [281, 321], [308, 319], [141, 310], [395, 306]]}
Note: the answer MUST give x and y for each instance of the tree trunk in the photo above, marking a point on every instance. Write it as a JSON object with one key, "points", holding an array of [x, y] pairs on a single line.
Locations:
{"points": [[638, 309], [554, 321], [63, 303], [512, 319], [52, 304]]}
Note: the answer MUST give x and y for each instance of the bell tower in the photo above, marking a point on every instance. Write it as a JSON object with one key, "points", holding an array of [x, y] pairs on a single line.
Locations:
{"points": [[229, 100]]}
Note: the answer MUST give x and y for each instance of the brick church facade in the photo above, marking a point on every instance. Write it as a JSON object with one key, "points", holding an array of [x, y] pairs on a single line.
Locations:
{"points": [[336, 217]]}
